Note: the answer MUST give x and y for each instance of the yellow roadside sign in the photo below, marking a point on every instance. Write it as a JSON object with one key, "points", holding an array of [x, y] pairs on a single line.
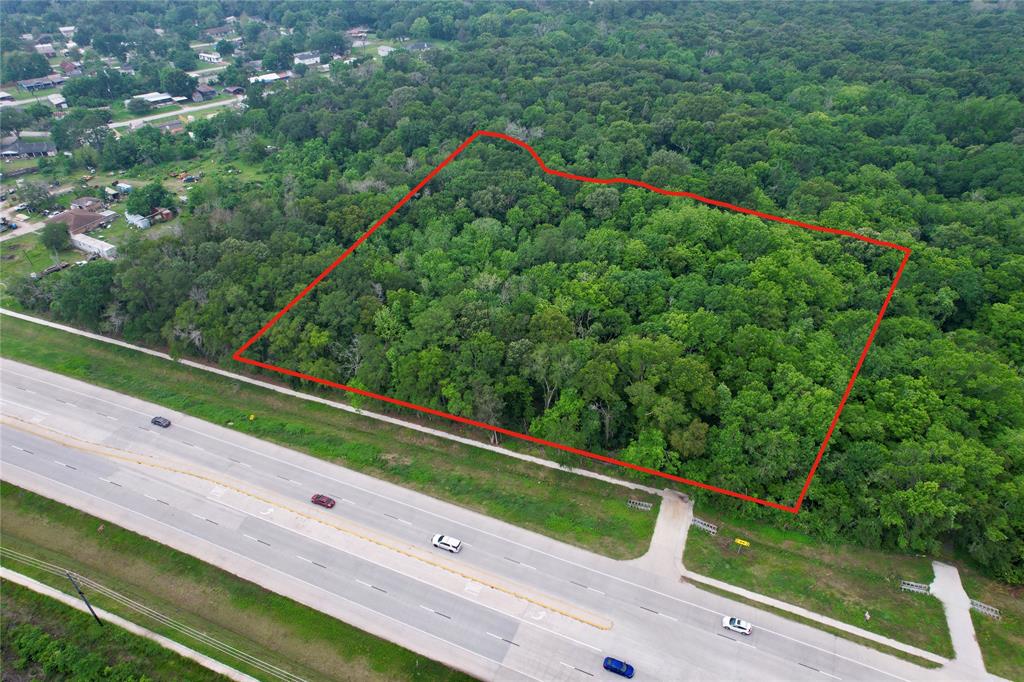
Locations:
{"points": [[742, 543]]}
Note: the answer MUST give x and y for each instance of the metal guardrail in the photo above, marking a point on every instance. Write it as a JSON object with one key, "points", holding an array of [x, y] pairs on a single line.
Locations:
{"points": [[911, 586], [263, 666], [990, 611], [637, 504], [705, 526]]}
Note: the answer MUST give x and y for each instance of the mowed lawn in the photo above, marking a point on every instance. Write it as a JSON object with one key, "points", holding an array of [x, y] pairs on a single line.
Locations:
{"points": [[1001, 640], [581, 511], [842, 582], [273, 628]]}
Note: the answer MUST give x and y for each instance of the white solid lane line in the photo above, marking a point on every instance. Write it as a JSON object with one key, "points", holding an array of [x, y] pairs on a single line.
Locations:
{"points": [[395, 570], [500, 538], [299, 580]]}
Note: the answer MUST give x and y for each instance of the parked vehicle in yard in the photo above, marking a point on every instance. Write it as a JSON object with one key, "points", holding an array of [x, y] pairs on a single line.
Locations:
{"points": [[619, 667], [162, 422], [737, 625], [447, 542], [322, 500]]}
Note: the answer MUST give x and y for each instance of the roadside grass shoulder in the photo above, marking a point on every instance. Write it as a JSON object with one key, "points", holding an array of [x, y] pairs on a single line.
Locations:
{"points": [[842, 582], [1001, 641], [585, 512], [267, 625], [917, 660], [41, 620], [39, 95]]}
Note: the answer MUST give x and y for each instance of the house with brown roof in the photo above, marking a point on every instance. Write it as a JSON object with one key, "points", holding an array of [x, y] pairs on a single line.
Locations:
{"points": [[87, 204], [79, 221]]}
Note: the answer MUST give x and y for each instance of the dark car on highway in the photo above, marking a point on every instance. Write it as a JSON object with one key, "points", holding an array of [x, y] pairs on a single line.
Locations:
{"points": [[322, 500], [163, 422], [618, 667]]}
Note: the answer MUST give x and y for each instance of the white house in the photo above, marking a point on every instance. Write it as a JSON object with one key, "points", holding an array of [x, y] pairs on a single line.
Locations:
{"points": [[84, 242], [385, 50], [271, 77], [307, 58], [67, 31], [211, 57], [154, 98], [58, 101]]}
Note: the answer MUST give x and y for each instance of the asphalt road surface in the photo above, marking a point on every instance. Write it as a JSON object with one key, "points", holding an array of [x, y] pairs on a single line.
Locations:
{"points": [[513, 605]]}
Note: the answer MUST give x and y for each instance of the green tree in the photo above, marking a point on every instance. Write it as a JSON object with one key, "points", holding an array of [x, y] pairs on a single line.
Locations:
{"points": [[176, 82], [143, 201], [55, 237]]}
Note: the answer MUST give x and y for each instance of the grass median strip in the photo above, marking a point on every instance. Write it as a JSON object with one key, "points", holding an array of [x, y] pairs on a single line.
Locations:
{"points": [[582, 511], [1002, 640], [917, 660], [276, 629], [846, 583], [41, 637]]}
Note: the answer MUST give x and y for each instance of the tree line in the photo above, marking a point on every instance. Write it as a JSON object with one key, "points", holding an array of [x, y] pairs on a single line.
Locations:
{"points": [[693, 340]]}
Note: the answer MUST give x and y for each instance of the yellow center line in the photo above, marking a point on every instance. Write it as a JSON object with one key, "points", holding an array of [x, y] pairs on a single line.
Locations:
{"points": [[133, 458]]}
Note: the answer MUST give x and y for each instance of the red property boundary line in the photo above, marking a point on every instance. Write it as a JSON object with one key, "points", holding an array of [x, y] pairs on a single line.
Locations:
{"points": [[794, 508]]}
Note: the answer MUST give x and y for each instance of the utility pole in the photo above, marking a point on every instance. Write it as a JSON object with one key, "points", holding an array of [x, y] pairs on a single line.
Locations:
{"points": [[82, 595]]}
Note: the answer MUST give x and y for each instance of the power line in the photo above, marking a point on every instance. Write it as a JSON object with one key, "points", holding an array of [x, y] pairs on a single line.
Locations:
{"points": [[222, 647]]}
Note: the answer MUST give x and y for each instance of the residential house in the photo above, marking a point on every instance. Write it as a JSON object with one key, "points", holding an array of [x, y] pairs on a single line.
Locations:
{"points": [[419, 47], [20, 149], [217, 32], [173, 127], [158, 31], [154, 99], [69, 68], [80, 221], [46, 49], [231, 19], [136, 220], [209, 57], [357, 32], [6, 96], [203, 93], [385, 50], [67, 31], [272, 77], [57, 101], [307, 58], [234, 90], [84, 242], [87, 204], [27, 37], [44, 83]]}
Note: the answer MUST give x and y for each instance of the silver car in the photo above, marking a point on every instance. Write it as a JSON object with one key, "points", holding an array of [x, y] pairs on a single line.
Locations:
{"points": [[737, 625]]}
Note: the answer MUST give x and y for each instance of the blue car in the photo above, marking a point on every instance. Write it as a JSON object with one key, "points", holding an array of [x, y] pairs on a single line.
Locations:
{"points": [[618, 667]]}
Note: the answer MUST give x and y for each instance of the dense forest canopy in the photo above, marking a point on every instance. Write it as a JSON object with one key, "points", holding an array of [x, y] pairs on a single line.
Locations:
{"points": [[698, 341]]}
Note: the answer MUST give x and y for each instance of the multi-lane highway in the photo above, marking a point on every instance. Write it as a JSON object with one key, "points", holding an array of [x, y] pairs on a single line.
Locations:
{"points": [[512, 605]]}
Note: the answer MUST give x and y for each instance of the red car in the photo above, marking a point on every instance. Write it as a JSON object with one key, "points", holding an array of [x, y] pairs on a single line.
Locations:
{"points": [[323, 500]]}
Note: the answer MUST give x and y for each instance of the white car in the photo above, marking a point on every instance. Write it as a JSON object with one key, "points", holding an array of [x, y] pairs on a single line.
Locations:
{"points": [[737, 625], [447, 542]]}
